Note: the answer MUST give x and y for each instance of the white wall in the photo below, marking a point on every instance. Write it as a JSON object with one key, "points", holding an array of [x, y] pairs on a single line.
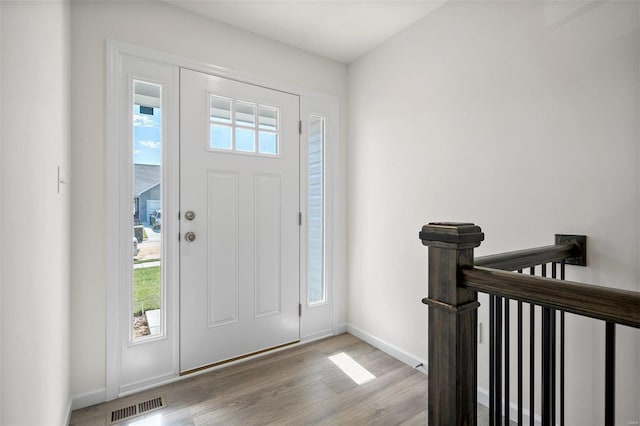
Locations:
{"points": [[1, 279], [521, 117], [162, 27], [34, 217]]}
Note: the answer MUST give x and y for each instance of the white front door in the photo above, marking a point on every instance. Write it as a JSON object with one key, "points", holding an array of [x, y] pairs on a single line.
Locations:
{"points": [[239, 225]]}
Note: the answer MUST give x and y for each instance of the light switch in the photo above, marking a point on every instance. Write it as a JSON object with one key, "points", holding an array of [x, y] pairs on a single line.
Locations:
{"points": [[62, 179]]}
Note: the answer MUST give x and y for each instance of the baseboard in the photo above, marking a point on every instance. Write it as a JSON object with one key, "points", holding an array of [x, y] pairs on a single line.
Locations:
{"points": [[483, 398], [387, 347], [143, 385], [69, 410], [342, 328], [87, 399], [414, 361], [100, 395], [316, 336]]}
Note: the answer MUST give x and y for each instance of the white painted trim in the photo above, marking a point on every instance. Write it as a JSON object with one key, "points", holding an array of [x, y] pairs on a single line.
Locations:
{"points": [[142, 385], [341, 328], [112, 156], [69, 410], [87, 399], [182, 62], [317, 336], [394, 351], [121, 70], [318, 317], [333, 211]]}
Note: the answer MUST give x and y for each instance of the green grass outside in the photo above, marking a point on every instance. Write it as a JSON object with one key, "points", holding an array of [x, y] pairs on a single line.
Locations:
{"points": [[137, 261], [146, 289]]}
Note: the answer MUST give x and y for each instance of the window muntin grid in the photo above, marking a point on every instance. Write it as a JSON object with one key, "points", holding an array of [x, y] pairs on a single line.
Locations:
{"points": [[243, 127]]}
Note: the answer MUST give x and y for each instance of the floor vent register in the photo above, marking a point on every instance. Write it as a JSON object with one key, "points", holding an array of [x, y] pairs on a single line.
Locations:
{"points": [[135, 410]]}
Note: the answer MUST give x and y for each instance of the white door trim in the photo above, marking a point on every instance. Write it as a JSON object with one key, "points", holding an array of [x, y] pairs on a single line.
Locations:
{"points": [[311, 328], [335, 207], [118, 178]]}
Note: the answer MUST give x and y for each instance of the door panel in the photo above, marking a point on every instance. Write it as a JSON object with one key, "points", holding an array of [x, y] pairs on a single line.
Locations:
{"points": [[222, 221], [268, 200], [239, 174]]}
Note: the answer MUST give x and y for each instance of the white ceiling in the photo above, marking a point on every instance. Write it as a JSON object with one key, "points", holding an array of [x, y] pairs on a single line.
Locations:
{"points": [[341, 30]]}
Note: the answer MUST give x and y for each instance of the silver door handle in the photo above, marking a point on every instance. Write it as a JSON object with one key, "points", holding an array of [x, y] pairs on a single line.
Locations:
{"points": [[189, 215], [190, 236]]}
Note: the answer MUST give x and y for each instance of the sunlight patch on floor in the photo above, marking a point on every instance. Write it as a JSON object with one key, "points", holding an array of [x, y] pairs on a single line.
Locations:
{"points": [[351, 368], [152, 420]]}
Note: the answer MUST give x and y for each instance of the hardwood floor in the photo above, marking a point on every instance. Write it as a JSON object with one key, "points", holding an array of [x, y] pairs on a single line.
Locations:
{"points": [[297, 386]]}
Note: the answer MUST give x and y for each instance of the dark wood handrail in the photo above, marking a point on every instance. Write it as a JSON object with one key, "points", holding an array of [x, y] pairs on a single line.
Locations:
{"points": [[455, 277], [612, 305], [521, 259]]}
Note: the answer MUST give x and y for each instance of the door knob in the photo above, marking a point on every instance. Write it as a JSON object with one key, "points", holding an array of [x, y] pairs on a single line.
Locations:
{"points": [[190, 236], [189, 215]]}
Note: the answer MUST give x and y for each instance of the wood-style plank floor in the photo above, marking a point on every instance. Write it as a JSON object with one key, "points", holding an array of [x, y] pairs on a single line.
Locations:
{"points": [[297, 386]]}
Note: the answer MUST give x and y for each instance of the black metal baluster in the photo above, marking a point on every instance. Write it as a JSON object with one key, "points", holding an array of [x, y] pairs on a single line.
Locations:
{"points": [[610, 373], [544, 361], [562, 368], [546, 367], [562, 354], [507, 356], [498, 360], [532, 357], [519, 362], [532, 365], [552, 358], [520, 375], [492, 349], [553, 352]]}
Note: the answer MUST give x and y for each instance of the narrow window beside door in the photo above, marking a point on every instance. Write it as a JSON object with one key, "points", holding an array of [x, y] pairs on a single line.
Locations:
{"points": [[315, 269], [147, 290]]}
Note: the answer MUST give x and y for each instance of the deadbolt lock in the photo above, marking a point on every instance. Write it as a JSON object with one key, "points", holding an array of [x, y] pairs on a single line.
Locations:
{"points": [[190, 236], [189, 215]]}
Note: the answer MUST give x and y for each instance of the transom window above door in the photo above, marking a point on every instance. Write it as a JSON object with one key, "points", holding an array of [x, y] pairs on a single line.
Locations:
{"points": [[243, 127]]}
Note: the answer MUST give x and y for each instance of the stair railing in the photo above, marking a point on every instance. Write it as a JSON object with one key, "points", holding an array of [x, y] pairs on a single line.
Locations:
{"points": [[455, 277]]}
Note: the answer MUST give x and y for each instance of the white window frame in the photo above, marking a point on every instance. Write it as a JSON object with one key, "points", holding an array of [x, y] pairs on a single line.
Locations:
{"points": [[123, 68], [320, 319]]}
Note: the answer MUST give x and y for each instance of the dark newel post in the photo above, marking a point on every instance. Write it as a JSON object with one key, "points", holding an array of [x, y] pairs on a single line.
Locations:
{"points": [[453, 320]]}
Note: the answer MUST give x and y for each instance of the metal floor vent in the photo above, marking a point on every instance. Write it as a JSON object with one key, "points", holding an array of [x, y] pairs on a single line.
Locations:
{"points": [[136, 409]]}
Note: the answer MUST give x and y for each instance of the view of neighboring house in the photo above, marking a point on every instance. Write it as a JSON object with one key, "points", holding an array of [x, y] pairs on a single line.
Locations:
{"points": [[146, 191]]}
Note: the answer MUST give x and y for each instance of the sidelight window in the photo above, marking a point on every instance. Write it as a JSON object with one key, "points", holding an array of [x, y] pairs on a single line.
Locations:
{"points": [[315, 262], [147, 289]]}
